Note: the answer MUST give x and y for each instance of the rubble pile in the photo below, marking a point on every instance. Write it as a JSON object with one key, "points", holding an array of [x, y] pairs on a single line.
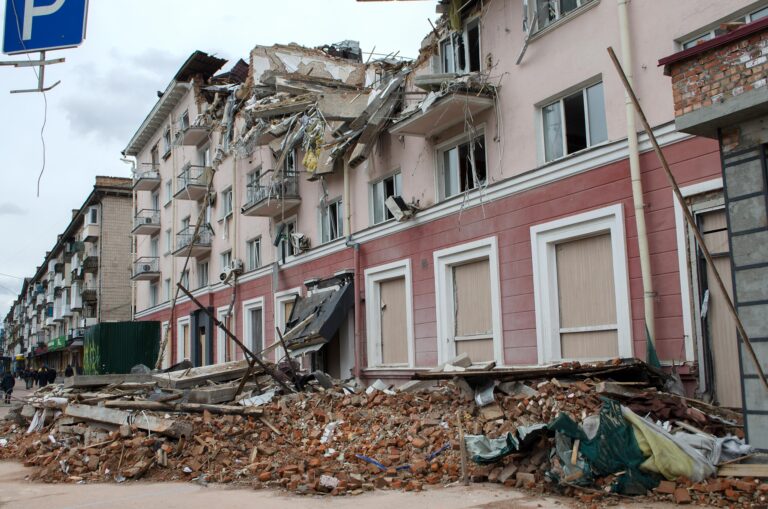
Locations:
{"points": [[339, 438]]}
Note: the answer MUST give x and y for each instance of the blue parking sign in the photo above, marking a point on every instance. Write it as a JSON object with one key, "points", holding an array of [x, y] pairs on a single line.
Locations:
{"points": [[38, 25]]}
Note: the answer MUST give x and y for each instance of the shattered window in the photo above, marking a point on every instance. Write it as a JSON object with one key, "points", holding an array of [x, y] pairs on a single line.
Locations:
{"points": [[460, 53], [446, 54], [167, 141], [383, 189], [167, 289], [331, 221], [184, 121], [574, 122], [226, 201], [286, 245], [549, 11], [464, 167]]}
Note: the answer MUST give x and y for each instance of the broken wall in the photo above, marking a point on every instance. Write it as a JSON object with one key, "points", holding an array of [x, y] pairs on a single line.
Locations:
{"points": [[286, 59]]}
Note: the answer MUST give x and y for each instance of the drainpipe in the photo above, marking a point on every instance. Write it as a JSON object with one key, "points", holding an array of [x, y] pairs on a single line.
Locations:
{"points": [[356, 283], [634, 170], [134, 247]]}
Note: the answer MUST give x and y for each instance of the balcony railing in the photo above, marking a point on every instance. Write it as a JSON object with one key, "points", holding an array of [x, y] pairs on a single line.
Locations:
{"points": [[185, 240], [195, 134], [146, 222], [273, 193], [146, 268], [91, 261], [146, 180], [90, 292], [192, 182]]}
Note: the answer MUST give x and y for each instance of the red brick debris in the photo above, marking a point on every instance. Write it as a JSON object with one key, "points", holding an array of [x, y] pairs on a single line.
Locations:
{"points": [[340, 441]]}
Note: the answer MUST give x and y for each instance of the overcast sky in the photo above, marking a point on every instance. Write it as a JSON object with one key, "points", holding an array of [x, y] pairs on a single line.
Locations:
{"points": [[108, 85]]}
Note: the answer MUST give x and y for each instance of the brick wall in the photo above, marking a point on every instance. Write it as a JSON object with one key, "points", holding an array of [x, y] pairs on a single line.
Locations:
{"points": [[716, 75], [115, 258]]}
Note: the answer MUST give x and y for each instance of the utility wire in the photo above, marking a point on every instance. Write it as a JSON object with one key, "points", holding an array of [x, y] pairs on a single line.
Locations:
{"points": [[45, 98]]}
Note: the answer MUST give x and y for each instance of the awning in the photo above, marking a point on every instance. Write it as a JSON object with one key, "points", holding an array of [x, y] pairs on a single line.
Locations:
{"points": [[315, 319], [77, 343]]}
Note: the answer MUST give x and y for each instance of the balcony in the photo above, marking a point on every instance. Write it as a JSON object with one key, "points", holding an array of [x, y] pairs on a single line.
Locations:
{"points": [[57, 313], [50, 296], [196, 247], [444, 112], [90, 293], [192, 182], [49, 321], [40, 299], [195, 134], [76, 303], [58, 281], [146, 268], [91, 261], [66, 311], [91, 232], [146, 180], [88, 322], [272, 194], [146, 222], [76, 333]]}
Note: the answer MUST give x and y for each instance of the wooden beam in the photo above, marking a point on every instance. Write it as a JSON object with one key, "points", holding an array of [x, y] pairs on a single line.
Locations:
{"points": [[101, 380], [154, 406], [743, 470]]}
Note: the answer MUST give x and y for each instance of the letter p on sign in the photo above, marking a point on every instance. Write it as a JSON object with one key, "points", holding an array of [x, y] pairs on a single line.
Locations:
{"points": [[40, 25]]}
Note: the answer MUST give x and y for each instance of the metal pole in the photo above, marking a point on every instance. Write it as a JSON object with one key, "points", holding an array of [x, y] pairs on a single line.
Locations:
{"points": [[246, 350], [689, 217]]}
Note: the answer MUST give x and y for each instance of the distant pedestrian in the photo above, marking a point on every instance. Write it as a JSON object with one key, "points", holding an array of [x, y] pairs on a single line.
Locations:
{"points": [[51, 374], [68, 372], [7, 385], [29, 378], [42, 377]]}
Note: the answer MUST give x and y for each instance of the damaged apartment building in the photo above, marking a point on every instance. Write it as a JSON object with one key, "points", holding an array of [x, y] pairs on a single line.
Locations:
{"points": [[486, 197]]}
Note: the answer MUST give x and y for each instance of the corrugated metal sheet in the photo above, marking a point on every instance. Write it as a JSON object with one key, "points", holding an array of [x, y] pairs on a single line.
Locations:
{"points": [[117, 347]]}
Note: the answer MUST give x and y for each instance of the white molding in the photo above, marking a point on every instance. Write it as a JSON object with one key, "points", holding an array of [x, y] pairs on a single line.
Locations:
{"points": [[444, 260], [181, 352], [279, 299], [683, 260], [373, 277], [543, 239], [581, 162], [221, 337], [248, 305]]}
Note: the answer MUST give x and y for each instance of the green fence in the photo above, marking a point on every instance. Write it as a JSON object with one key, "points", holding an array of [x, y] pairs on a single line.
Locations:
{"points": [[111, 348]]}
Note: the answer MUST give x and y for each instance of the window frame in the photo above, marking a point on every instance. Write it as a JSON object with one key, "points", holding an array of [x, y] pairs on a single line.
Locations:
{"points": [[227, 202], [559, 17], [203, 282], [325, 223], [168, 241], [154, 298], [227, 254], [456, 142], [374, 276], [249, 265], [181, 347], [279, 249], [397, 184], [451, 40], [247, 307], [560, 99], [444, 261], [167, 142], [279, 317], [544, 239], [167, 289], [168, 187]]}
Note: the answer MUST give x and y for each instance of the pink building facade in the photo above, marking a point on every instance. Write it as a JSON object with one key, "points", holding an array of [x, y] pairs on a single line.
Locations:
{"points": [[523, 245]]}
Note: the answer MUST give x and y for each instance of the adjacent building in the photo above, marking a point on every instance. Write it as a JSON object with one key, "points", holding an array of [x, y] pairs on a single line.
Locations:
{"points": [[719, 90], [83, 280], [477, 199]]}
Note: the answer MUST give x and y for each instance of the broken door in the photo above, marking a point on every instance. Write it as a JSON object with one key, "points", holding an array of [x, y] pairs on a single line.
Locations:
{"points": [[586, 293], [718, 325]]}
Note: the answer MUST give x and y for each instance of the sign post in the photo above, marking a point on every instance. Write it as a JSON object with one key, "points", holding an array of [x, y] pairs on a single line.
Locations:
{"points": [[42, 25]]}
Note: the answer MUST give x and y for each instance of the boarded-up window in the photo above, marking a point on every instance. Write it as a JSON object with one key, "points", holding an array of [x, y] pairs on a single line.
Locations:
{"points": [[472, 310], [587, 298], [393, 322]]}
